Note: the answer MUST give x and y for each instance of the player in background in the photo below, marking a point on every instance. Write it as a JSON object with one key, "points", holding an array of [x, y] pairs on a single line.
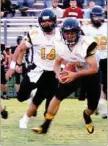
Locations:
{"points": [[98, 29], [41, 76], [16, 75], [3, 70], [3, 111], [24, 65], [82, 66]]}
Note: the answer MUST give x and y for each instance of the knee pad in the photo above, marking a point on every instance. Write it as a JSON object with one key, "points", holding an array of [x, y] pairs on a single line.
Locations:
{"points": [[89, 112]]}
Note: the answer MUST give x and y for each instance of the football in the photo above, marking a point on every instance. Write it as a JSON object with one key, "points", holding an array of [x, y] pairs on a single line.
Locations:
{"points": [[70, 67]]}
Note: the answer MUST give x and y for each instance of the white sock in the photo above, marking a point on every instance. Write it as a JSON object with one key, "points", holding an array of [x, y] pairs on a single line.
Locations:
{"points": [[101, 101], [102, 108], [26, 118]]}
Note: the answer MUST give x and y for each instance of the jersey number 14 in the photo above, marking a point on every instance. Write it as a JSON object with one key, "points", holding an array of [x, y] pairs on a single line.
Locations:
{"points": [[50, 55]]}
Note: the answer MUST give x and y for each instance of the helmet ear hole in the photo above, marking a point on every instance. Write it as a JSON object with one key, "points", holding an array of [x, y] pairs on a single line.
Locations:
{"points": [[47, 15]]}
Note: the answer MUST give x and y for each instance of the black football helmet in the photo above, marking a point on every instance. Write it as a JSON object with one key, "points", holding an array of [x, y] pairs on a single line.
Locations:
{"points": [[97, 16], [47, 15], [19, 39], [71, 31]]}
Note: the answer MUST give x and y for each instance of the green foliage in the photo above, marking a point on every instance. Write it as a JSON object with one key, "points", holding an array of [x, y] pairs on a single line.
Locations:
{"points": [[67, 129]]}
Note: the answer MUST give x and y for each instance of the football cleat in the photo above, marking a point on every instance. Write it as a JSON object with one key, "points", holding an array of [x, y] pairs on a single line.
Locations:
{"points": [[4, 114], [104, 116], [23, 124], [43, 129], [88, 123], [90, 128], [38, 130], [5, 97]]}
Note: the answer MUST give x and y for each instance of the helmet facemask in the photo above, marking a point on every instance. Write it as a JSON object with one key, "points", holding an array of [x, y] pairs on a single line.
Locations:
{"points": [[47, 20], [97, 21], [70, 31], [47, 26], [97, 16], [70, 36]]}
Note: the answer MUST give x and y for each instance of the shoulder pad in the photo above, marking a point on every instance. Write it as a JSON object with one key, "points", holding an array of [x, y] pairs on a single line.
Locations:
{"points": [[88, 39], [34, 31], [58, 35]]}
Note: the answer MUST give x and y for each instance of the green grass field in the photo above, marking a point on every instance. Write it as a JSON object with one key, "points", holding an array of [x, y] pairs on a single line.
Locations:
{"points": [[67, 129]]}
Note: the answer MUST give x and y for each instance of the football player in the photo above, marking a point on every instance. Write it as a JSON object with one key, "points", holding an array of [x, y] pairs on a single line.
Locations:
{"points": [[16, 75], [41, 76], [79, 51], [98, 29], [3, 65]]}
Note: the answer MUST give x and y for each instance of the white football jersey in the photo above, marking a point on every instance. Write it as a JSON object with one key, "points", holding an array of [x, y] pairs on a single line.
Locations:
{"points": [[77, 55], [100, 35], [43, 48]]}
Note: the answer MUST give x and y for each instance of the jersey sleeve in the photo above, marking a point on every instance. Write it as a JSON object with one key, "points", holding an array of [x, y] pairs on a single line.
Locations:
{"points": [[59, 48], [27, 40], [91, 50]]}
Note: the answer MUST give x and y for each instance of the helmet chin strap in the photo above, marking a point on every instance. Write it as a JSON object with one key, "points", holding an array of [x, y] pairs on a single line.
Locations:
{"points": [[70, 44]]}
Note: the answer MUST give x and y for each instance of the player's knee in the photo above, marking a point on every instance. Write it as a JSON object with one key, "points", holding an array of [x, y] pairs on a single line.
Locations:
{"points": [[89, 111], [22, 98]]}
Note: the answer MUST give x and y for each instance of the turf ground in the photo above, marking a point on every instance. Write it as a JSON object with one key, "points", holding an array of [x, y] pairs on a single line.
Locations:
{"points": [[67, 129]]}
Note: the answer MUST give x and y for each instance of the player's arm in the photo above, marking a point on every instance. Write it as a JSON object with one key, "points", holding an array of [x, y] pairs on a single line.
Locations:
{"points": [[20, 48], [57, 66], [5, 57], [91, 60], [19, 62], [20, 57], [10, 57], [23, 46]]}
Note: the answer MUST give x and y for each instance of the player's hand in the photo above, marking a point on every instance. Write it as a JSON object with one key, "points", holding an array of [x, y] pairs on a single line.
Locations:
{"points": [[9, 73], [1, 14], [58, 76], [18, 69], [68, 77], [4, 63]]}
